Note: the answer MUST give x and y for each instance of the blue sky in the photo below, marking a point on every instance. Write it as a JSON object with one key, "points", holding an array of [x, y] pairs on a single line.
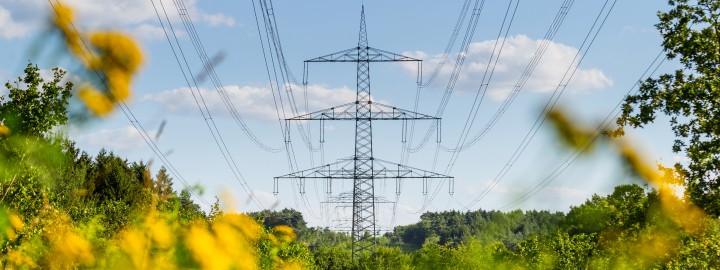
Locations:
{"points": [[623, 49]]}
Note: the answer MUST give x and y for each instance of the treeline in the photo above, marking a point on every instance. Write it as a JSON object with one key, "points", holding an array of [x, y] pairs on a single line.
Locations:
{"points": [[628, 229], [62, 208]]}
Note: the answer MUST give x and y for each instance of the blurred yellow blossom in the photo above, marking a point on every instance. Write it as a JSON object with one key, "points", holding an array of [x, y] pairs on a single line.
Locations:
{"points": [[204, 249], [284, 233], [113, 55], [16, 222], [290, 266], [98, 103], [160, 232], [19, 260], [117, 51], [246, 224], [62, 19], [4, 131], [134, 244]]}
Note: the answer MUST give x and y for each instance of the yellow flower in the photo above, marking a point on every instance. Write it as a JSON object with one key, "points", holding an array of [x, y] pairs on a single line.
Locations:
{"points": [[17, 258], [4, 130], [246, 224], [284, 233], [204, 249], [160, 232], [119, 82], [290, 266], [572, 134], [97, 102], [135, 245], [63, 22], [16, 222], [117, 51], [10, 233], [69, 250]]}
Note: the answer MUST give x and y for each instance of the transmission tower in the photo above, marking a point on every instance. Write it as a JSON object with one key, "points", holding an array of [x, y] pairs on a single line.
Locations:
{"points": [[362, 167]]}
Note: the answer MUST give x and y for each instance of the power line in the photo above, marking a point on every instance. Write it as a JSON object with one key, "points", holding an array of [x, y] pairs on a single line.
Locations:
{"points": [[559, 90], [524, 77], [207, 115], [535, 60], [492, 62], [469, 33], [272, 36], [133, 120], [598, 131], [484, 84], [278, 109], [405, 153]]}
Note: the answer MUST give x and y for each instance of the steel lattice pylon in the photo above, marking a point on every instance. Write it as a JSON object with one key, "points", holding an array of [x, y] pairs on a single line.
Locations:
{"points": [[362, 167]]}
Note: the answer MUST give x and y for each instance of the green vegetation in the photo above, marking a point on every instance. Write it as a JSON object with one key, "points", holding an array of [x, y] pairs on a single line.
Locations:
{"points": [[627, 229], [61, 208], [689, 96]]}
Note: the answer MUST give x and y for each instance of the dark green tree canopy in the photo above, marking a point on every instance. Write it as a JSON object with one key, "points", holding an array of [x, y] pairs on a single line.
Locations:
{"points": [[37, 108], [690, 96]]}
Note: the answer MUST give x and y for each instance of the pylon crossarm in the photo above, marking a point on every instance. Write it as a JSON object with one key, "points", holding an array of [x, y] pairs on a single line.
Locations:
{"points": [[352, 55], [349, 55], [378, 55], [378, 111], [341, 169], [390, 170]]}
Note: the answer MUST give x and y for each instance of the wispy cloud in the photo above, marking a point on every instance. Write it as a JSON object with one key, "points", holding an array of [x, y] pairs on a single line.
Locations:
{"points": [[18, 18], [9, 28], [517, 53], [115, 139], [250, 101]]}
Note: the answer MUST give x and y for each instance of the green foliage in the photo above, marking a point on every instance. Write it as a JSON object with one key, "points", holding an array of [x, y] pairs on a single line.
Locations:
{"points": [[453, 227], [690, 33], [333, 258], [435, 256], [384, 258], [38, 108], [289, 217], [625, 208]]}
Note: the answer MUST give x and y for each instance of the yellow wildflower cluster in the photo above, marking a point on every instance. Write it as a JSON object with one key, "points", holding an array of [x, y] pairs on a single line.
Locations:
{"points": [[113, 55], [685, 216], [158, 242], [228, 245]]}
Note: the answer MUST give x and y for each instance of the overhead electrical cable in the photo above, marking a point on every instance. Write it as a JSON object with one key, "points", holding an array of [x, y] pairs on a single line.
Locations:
{"points": [[552, 101], [535, 60], [485, 81], [285, 72], [276, 100], [207, 116], [469, 33], [614, 113], [272, 34], [135, 123], [524, 77]]}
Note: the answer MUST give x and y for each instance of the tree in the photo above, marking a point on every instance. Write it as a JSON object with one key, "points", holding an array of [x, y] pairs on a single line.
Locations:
{"points": [[689, 96], [38, 108], [163, 184]]}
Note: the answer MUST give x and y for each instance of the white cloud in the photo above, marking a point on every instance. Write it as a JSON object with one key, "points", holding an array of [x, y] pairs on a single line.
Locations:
{"points": [[219, 19], [517, 53], [18, 17], [118, 139], [148, 32], [9, 28], [251, 102]]}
